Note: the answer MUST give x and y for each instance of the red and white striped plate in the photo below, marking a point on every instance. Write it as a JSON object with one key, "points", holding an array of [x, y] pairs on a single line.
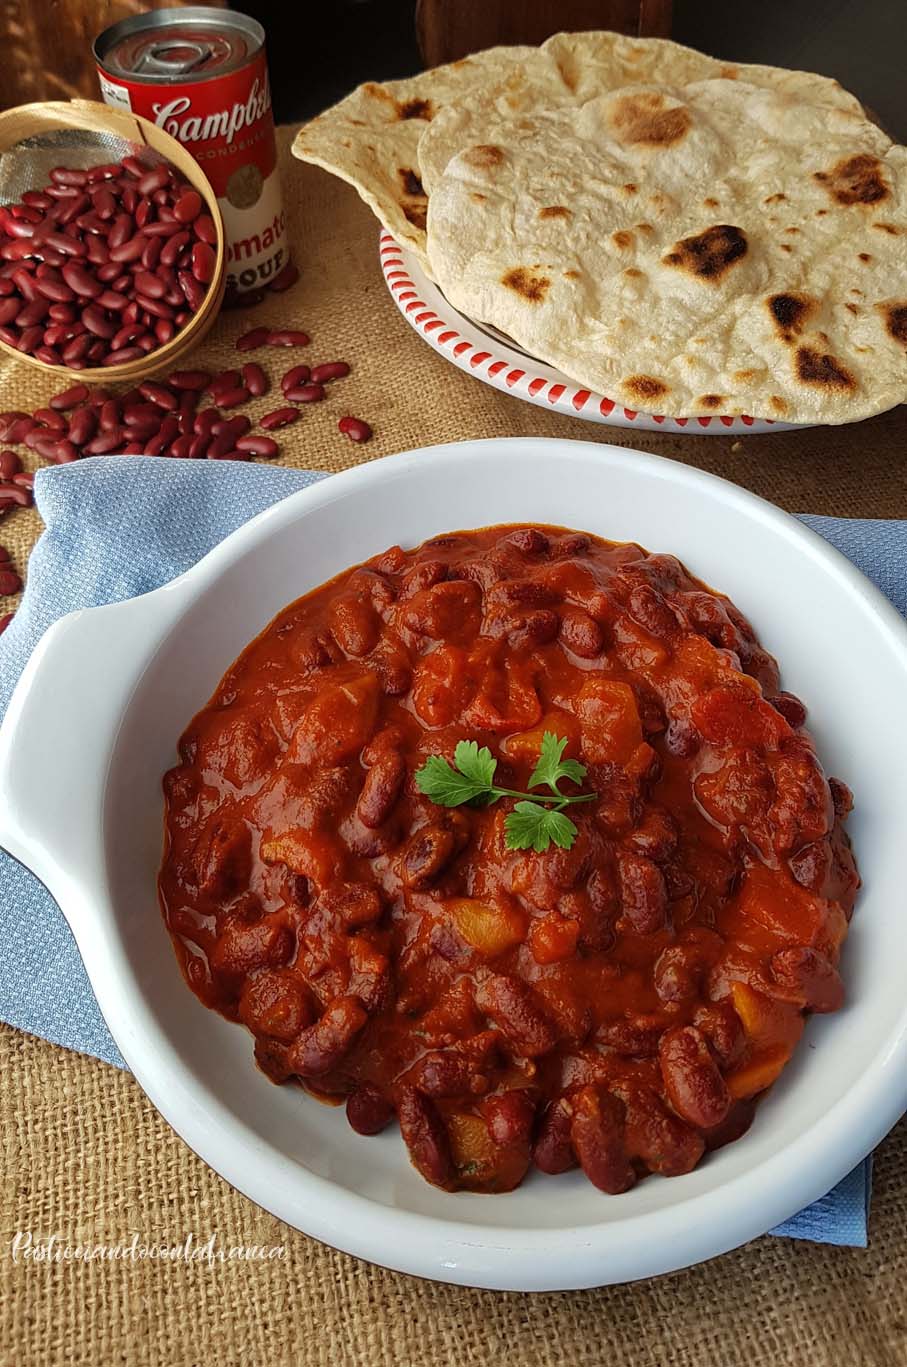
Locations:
{"points": [[485, 353]]}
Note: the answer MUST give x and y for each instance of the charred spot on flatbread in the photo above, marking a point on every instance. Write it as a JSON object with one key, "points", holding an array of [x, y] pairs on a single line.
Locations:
{"points": [[710, 400], [855, 180], [645, 387], [525, 282], [789, 312], [778, 198], [864, 257], [622, 239], [483, 157], [822, 369], [709, 255], [555, 211], [645, 119], [415, 109], [888, 228], [777, 404], [411, 183], [377, 92], [416, 214], [895, 316]]}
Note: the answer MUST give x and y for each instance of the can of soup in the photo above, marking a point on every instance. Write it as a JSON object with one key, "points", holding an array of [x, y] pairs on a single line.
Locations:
{"points": [[201, 74]]}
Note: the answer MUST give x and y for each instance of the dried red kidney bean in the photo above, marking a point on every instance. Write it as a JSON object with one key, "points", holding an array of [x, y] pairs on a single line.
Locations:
{"points": [[355, 429], [330, 370], [296, 375], [10, 464], [205, 229], [225, 379], [188, 206], [159, 394], [305, 393], [49, 418], [287, 337], [259, 446], [255, 379], [82, 426], [232, 398], [5, 620], [189, 379], [279, 417], [15, 493], [9, 582], [107, 442], [250, 340]]}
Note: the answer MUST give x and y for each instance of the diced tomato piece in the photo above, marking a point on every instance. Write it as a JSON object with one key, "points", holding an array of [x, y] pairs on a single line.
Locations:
{"points": [[775, 910], [312, 854], [735, 714], [506, 701], [552, 938], [337, 722], [440, 686], [609, 721]]}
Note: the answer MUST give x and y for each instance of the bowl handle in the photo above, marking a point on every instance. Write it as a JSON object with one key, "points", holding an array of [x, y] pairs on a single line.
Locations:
{"points": [[57, 736]]}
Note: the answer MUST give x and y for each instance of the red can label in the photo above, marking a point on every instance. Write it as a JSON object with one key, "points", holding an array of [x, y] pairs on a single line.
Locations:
{"points": [[227, 125]]}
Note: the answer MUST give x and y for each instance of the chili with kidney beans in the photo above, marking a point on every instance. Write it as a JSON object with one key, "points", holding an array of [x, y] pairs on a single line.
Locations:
{"points": [[618, 1005]]}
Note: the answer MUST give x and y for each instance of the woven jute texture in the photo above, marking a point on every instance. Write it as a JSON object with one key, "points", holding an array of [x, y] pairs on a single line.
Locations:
{"points": [[85, 1156]]}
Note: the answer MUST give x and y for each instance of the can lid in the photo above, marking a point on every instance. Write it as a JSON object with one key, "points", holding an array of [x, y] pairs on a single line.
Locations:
{"points": [[170, 46]]}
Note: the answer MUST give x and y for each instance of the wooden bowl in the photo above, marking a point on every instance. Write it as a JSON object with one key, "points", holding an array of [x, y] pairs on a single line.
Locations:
{"points": [[31, 120]]}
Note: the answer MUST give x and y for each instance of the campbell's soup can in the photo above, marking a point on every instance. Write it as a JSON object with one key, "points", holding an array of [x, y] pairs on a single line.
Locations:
{"points": [[202, 75]]}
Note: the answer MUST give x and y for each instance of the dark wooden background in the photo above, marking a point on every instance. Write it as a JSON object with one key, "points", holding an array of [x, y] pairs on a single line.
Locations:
{"points": [[320, 51]]}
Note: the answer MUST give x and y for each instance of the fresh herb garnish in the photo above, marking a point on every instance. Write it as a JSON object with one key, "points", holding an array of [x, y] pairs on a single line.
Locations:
{"points": [[538, 819]]}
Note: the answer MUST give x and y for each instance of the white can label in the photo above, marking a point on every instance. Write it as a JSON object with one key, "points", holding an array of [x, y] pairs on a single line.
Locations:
{"points": [[256, 234], [114, 94]]}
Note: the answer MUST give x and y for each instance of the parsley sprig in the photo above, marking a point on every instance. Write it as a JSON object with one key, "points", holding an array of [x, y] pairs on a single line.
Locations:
{"points": [[537, 819]]}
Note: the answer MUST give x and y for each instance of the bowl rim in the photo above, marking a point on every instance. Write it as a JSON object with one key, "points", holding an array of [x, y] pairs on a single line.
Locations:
{"points": [[642, 1244]]}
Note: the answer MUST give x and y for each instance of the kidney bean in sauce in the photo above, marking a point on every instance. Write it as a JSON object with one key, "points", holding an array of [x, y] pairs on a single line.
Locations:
{"points": [[616, 1006]]}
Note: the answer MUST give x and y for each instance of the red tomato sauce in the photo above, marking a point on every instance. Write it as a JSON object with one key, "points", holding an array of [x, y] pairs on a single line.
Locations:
{"points": [[618, 1005]]}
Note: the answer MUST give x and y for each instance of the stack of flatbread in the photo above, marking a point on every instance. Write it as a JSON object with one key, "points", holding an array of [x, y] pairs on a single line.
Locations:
{"points": [[682, 235]]}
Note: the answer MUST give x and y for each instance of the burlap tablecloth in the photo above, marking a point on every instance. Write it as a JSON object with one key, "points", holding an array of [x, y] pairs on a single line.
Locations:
{"points": [[87, 1158]]}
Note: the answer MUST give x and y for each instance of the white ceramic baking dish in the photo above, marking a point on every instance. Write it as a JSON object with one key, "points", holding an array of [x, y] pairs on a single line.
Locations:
{"points": [[92, 727]]}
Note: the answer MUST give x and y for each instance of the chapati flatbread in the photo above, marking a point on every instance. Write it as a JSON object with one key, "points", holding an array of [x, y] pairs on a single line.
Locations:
{"points": [[713, 248]]}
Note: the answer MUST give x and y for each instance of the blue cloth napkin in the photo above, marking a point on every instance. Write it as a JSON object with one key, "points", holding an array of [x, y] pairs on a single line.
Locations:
{"points": [[117, 528]]}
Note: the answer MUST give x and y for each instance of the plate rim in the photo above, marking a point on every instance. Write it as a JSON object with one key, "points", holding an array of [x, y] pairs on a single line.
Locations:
{"points": [[461, 342]]}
